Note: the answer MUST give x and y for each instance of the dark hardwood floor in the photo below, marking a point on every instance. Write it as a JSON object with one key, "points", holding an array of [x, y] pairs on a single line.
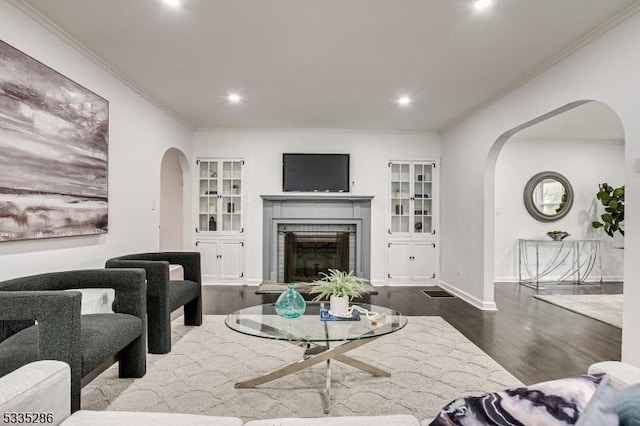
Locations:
{"points": [[534, 340]]}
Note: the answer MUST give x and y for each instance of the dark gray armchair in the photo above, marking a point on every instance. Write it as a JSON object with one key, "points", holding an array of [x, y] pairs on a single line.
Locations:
{"points": [[165, 296], [85, 342]]}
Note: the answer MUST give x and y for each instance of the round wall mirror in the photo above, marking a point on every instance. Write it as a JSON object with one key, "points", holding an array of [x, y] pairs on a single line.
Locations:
{"points": [[548, 196]]}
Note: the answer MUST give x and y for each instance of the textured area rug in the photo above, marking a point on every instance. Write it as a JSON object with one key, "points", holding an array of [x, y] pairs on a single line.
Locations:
{"points": [[602, 307], [430, 362]]}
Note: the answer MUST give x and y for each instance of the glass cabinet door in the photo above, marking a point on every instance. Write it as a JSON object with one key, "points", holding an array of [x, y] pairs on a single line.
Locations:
{"points": [[400, 197], [231, 196], [422, 198], [220, 196], [208, 196], [411, 186]]}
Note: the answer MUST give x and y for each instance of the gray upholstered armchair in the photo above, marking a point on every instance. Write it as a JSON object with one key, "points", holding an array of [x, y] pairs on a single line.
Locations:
{"points": [[85, 342], [165, 296]]}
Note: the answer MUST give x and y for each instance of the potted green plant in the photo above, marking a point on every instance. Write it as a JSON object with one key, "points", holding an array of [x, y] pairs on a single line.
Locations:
{"points": [[338, 287], [236, 188], [613, 201]]}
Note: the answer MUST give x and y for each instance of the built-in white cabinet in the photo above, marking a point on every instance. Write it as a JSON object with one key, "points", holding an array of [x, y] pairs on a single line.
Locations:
{"points": [[219, 209], [221, 259], [412, 261], [412, 220]]}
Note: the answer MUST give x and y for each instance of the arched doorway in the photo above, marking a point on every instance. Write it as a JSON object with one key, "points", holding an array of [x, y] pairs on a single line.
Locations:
{"points": [[174, 178], [583, 140]]}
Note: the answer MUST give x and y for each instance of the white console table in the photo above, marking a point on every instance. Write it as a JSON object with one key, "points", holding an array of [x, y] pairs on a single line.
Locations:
{"points": [[567, 261]]}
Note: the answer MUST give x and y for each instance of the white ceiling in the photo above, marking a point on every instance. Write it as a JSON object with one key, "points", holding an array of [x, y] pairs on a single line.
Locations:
{"points": [[328, 63]]}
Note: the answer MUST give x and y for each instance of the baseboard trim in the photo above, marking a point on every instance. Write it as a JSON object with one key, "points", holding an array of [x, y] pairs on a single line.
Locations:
{"points": [[611, 278], [506, 280], [470, 299], [408, 283], [231, 282]]}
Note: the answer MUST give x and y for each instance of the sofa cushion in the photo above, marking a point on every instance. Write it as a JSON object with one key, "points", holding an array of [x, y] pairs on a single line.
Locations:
{"points": [[628, 405], [585, 401], [39, 387], [391, 420], [104, 335], [18, 350], [110, 418], [622, 374], [181, 292]]}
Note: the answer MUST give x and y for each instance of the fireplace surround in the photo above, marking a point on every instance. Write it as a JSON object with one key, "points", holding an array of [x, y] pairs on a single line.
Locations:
{"points": [[326, 226], [306, 250]]}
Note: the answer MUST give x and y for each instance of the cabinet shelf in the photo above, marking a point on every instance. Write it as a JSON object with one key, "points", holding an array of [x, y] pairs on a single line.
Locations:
{"points": [[219, 203], [411, 195]]}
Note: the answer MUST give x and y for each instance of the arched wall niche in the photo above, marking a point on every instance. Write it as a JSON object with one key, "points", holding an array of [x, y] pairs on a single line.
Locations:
{"points": [[175, 190]]}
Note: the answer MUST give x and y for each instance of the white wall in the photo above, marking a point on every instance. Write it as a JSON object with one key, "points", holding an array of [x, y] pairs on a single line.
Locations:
{"points": [[139, 134], [262, 150], [606, 70], [585, 164]]}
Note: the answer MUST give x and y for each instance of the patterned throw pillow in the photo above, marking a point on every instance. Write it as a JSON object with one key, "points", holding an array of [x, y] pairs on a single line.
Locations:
{"points": [[581, 401], [628, 405]]}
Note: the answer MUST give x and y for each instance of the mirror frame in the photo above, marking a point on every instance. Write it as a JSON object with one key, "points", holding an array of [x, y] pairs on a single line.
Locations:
{"points": [[531, 186]]}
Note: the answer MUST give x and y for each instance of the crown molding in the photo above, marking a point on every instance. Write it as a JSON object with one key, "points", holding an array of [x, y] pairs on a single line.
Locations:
{"points": [[45, 22], [345, 130], [585, 39]]}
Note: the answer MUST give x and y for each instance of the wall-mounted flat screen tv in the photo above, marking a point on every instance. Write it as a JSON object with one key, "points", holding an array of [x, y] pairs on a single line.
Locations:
{"points": [[315, 172]]}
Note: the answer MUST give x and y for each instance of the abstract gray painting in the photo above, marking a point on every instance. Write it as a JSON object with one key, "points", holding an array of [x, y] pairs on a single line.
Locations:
{"points": [[54, 137]]}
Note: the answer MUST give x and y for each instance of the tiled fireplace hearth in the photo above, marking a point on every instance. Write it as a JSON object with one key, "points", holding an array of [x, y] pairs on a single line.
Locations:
{"points": [[305, 234]]}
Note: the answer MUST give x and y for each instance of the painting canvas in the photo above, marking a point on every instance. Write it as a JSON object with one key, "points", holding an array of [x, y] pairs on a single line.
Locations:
{"points": [[54, 137]]}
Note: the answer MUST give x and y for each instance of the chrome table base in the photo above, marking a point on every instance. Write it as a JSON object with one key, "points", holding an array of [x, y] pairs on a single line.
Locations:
{"points": [[315, 354], [569, 260]]}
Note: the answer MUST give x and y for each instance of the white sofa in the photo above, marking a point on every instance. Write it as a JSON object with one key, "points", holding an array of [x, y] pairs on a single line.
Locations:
{"points": [[43, 387]]}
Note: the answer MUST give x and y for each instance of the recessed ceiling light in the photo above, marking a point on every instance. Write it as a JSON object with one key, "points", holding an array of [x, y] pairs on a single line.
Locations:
{"points": [[482, 4], [234, 98], [404, 101], [174, 3]]}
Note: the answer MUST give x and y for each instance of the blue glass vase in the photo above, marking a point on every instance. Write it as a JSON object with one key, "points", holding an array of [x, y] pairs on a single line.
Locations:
{"points": [[290, 304]]}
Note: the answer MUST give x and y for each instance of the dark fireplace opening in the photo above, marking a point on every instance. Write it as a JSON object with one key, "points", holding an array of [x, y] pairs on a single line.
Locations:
{"points": [[307, 254]]}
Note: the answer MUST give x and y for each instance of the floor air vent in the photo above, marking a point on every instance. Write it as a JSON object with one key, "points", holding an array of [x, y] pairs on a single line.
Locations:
{"points": [[437, 293]]}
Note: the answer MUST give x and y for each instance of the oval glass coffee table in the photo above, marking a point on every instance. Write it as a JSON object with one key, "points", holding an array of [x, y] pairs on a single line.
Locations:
{"points": [[321, 341]]}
